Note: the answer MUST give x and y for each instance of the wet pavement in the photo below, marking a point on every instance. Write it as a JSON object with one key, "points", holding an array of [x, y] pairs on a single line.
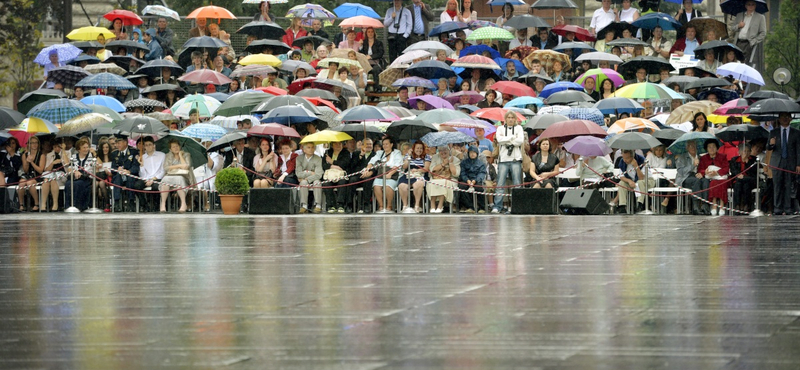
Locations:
{"points": [[399, 292]]}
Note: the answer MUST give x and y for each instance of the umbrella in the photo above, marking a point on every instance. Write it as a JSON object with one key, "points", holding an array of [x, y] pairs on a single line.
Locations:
{"points": [[525, 21], [687, 111], [278, 47], [293, 65], [569, 97], [288, 115], [494, 114], [475, 62], [723, 95], [206, 106], [90, 33], [141, 125], [365, 113], [283, 100], [734, 107], [254, 70], [164, 87], [667, 136], [734, 7], [330, 83], [211, 11], [59, 110], [105, 68], [431, 69], [442, 115], [566, 130], [512, 88], [476, 24], [705, 24], [547, 58], [650, 21], [10, 118], [596, 56], [124, 61], [205, 76], [105, 80], [618, 105], [348, 10], [617, 27], [555, 87], [262, 30], [153, 68], [161, 116], [766, 94], [552, 109], [65, 52], [342, 62], [633, 141], [600, 75], [741, 72], [587, 146], [682, 81], [581, 33], [227, 140], [414, 82], [230, 123], [127, 17], [490, 33], [430, 46], [633, 124], [567, 45], [647, 90], [84, 123], [524, 102], [361, 21], [679, 146], [398, 111], [129, 45], [534, 76], [83, 58], [67, 75], [770, 107], [409, 129], [436, 139], [433, 102], [326, 136], [447, 27], [357, 131], [144, 103], [707, 82], [544, 121], [272, 129], [588, 114], [105, 101], [467, 124], [317, 93], [162, 11], [310, 11], [653, 65], [315, 40], [196, 150], [32, 126], [742, 132], [630, 42], [204, 131]]}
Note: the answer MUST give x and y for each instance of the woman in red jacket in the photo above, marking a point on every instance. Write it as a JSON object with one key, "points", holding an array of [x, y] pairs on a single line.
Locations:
{"points": [[717, 179], [284, 169]]}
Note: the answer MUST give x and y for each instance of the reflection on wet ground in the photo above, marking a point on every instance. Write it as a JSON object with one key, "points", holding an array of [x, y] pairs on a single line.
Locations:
{"points": [[552, 292]]}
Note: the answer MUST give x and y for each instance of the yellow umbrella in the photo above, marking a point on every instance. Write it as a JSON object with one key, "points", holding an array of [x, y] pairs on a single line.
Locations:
{"points": [[719, 119], [90, 33], [262, 59], [35, 125], [326, 136]]}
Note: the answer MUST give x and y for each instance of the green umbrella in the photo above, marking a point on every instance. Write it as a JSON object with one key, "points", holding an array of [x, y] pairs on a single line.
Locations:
{"points": [[490, 33], [188, 144], [647, 90], [700, 138], [241, 103]]}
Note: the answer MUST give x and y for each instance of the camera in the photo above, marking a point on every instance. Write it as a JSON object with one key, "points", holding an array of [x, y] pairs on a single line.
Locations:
{"points": [[510, 149]]}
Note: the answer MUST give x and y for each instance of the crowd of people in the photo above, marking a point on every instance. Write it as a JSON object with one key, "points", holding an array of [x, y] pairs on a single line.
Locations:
{"points": [[514, 155]]}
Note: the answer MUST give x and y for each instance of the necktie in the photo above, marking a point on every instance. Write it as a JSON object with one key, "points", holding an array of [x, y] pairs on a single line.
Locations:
{"points": [[418, 28], [784, 141]]}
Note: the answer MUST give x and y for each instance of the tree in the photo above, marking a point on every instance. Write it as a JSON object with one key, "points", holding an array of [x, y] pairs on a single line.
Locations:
{"points": [[783, 44]]}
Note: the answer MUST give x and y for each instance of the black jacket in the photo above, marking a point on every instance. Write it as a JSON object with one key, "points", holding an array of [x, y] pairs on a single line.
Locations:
{"points": [[129, 161], [359, 162], [342, 161], [377, 50]]}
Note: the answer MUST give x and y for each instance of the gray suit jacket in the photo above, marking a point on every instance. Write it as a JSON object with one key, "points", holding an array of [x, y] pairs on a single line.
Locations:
{"points": [[427, 17], [757, 31], [685, 166], [793, 154], [314, 164]]}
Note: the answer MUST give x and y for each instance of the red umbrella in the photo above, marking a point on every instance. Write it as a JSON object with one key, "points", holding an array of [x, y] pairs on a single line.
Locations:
{"points": [[128, 17], [496, 114], [272, 90], [322, 102], [567, 130], [205, 76], [297, 84], [272, 129], [580, 32], [513, 88]]}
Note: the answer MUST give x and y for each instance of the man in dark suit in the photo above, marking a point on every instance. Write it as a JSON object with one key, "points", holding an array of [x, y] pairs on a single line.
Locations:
{"points": [[543, 40], [359, 162], [420, 16], [783, 152], [126, 162], [243, 157]]}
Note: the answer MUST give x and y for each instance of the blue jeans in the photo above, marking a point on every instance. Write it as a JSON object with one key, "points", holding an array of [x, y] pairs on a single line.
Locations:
{"points": [[502, 173]]}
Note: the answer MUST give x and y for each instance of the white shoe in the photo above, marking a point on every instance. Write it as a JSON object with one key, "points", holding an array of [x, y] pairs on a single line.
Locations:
{"points": [[409, 210], [495, 210], [436, 210]]}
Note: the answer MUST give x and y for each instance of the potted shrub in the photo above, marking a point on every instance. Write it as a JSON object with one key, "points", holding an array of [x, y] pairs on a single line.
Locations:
{"points": [[232, 185]]}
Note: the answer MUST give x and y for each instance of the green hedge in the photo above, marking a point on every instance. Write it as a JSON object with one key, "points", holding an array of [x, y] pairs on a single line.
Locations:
{"points": [[232, 181]]}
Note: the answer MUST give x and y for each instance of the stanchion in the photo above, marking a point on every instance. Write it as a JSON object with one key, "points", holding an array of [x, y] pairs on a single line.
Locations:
{"points": [[757, 212], [384, 210], [72, 208], [94, 209], [647, 210]]}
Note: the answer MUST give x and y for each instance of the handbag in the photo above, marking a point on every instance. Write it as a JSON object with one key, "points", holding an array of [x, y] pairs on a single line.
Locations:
{"points": [[333, 174], [178, 172], [382, 169]]}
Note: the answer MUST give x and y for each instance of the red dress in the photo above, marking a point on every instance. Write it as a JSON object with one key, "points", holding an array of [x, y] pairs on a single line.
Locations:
{"points": [[721, 161]]}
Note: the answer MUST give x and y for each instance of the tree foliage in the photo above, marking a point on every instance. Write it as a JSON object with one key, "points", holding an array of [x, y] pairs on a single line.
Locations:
{"points": [[783, 44]]}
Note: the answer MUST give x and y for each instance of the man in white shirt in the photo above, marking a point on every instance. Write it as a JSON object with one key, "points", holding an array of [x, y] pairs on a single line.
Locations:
{"points": [[603, 17], [151, 167], [521, 40], [398, 24]]}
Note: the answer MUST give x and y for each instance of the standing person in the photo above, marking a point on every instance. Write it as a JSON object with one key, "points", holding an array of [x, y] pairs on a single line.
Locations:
{"points": [[686, 14], [156, 52], [510, 138], [603, 17], [508, 13], [316, 29], [118, 29], [628, 13], [467, 14], [783, 153], [372, 47], [749, 29], [295, 31], [164, 36], [420, 16], [398, 25], [264, 13]]}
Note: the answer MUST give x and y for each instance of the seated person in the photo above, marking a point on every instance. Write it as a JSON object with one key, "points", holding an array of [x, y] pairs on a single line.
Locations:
{"points": [[383, 162], [473, 174], [544, 166], [125, 162], [285, 168], [264, 165], [336, 164], [717, 188], [179, 174], [589, 178], [416, 163], [744, 172], [445, 169], [78, 189], [632, 178]]}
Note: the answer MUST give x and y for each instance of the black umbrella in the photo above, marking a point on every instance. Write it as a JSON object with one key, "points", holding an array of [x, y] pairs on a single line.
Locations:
{"points": [[567, 97], [123, 61], [278, 47], [734, 7], [431, 69], [723, 95], [31, 99], [652, 65], [633, 141], [617, 27], [164, 87], [720, 48], [204, 42], [682, 81], [532, 75], [707, 82], [153, 68], [667, 135], [772, 107], [281, 101], [742, 132], [317, 93], [292, 65], [227, 140], [86, 45], [84, 58], [544, 121], [766, 94], [628, 42], [262, 30], [410, 129], [357, 131], [67, 75], [526, 21], [347, 90], [300, 41], [141, 125], [10, 118], [128, 45]]}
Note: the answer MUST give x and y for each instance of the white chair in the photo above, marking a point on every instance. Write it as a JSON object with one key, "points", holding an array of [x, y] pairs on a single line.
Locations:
{"points": [[668, 174]]}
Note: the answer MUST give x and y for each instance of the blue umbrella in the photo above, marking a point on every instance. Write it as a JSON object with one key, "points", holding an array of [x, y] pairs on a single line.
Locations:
{"points": [[618, 105], [105, 101], [431, 69], [84, 58], [436, 139], [222, 97], [555, 87], [524, 101], [59, 110], [414, 82], [348, 10], [650, 21], [66, 52], [447, 27], [679, 146], [504, 2], [589, 114], [287, 115], [503, 61], [471, 108], [205, 131], [105, 80], [479, 49]]}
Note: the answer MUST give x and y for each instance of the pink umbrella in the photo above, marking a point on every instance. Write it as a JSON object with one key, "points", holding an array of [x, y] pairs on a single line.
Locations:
{"points": [[205, 76], [601, 74], [455, 98], [434, 102], [734, 107]]}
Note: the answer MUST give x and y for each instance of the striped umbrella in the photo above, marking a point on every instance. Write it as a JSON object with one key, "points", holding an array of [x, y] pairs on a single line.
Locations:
{"points": [[105, 80], [205, 105], [59, 110], [633, 124], [490, 33], [647, 90], [67, 75], [205, 131]]}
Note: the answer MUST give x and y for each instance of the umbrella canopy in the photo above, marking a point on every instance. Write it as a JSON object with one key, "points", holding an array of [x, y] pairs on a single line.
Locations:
{"points": [[129, 46], [587, 146], [288, 115], [59, 110], [35, 125], [326, 136], [164, 87], [278, 47], [719, 47], [414, 82], [771, 107], [734, 107], [707, 82], [430, 46], [567, 45], [105, 80], [231, 123], [580, 32], [196, 151], [646, 90], [361, 21], [310, 11], [127, 17], [284, 100], [272, 129], [317, 93], [667, 136], [161, 116], [348, 10], [357, 131], [64, 52], [600, 75], [291, 66], [431, 69], [211, 11], [204, 131], [618, 105], [568, 97], [162, 11], [554, 4], [525, 21], [432, 101], [442, 115], [687, 111], [479, 49], [83, 58], [524, 102], [342, 62], [617, 28], [10, 118], [633, 141], [475, 62], [105, 68], [628, 42], [589, 114], [633, 124], [653, 65], [262, 30], [206, 106], [447, 27], [555, 87], [679, 146], [490, 33], [741, 72], [141, 125], [723, 95], [90, 33], [742, 132], [436, 139], [598, 56], [105, 101], [315, 40], [144, 103], [682, 81], [663, 20], [205, 76], [567, 130], [734, 7], [495, 114], [227, 140], [154, 68], [409, 129], [705, 24], [84, 123], [512, 88], [455, 98], [766, 94], [366, 113]]}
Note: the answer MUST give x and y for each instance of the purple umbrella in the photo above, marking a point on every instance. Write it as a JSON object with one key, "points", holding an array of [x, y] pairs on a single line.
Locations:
{"points": [[414, 82], [463, 125], [434, 102], [455, 98], [587, 146]]}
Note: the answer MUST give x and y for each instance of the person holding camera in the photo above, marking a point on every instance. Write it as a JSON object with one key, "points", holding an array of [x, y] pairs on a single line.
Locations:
{"points": [[398, 24], [510, 138]]}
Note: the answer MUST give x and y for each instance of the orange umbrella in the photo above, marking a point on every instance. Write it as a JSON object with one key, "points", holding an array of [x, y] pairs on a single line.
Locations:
{"points": [[633, 124], [361, 21], [211, 11]]}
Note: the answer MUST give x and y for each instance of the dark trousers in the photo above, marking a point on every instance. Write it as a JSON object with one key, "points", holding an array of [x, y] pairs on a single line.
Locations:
{"points": [[366, 194], [782, 190], [743, 192], [82, 189], [696, 185], [414, 38], [340, 197], [397, 43], [129, 182], [465, 198]]}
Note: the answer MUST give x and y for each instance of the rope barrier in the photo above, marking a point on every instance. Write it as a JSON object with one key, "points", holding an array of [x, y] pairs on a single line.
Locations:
{"points": [[175, 187], [317, 186]]}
